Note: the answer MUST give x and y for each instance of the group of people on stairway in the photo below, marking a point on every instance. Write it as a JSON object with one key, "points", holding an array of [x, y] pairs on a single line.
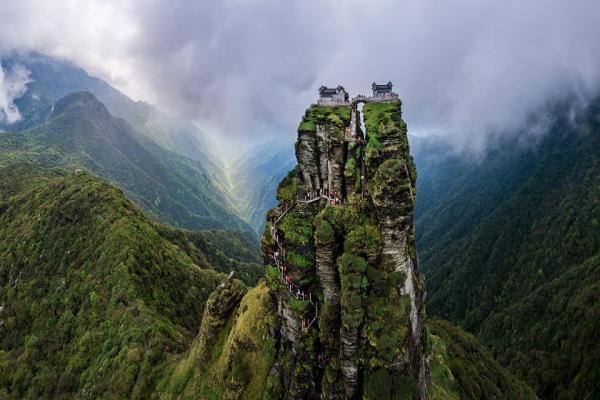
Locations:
{"points": [[292, 287], [332, 196], [312, 194]]}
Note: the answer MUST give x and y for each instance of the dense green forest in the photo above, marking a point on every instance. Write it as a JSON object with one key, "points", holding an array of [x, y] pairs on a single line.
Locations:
{"points": [[100, 301], [462, 368], [509, 245], [96, 297]]}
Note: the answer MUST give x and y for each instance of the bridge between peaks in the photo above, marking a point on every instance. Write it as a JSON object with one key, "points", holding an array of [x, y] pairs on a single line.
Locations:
{"points": [[334, 97], [358, 99]]}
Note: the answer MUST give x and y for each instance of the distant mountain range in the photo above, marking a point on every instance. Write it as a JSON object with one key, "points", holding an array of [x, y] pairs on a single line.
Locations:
{"points": [[255, 177], [510, 247], [95, 297], [165, 164]]}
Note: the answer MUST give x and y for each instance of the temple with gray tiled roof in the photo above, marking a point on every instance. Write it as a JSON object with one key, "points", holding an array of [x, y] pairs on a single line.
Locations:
{"points": [[333, 95], [382, 90]]}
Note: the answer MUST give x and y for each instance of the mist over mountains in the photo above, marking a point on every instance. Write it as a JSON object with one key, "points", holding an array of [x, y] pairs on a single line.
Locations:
{"points": [[471, 77], [506, 237], [246, 185], [165, 164], [255, 177]]}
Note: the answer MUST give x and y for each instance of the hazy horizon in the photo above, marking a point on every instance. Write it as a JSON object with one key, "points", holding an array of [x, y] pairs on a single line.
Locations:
{"points": [[245, 72]]}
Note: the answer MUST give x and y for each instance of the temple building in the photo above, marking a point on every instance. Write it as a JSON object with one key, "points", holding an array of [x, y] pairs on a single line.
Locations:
{"points": [[382, 90], [333, 95]]}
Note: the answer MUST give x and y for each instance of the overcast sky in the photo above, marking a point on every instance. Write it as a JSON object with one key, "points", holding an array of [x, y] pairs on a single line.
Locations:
{"points": [[249, 68]]}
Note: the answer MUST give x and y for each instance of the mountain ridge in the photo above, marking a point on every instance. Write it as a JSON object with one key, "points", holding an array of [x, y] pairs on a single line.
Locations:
{"points": [[81, 132], [94, 299], [166, 137]]}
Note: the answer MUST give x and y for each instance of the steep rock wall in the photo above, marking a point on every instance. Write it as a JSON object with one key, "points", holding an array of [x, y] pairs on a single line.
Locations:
{"points": [[343, 266], [340, 315]]}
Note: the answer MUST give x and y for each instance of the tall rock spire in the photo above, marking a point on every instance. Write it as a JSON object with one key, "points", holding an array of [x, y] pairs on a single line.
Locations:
{"points": [[342, 262]]}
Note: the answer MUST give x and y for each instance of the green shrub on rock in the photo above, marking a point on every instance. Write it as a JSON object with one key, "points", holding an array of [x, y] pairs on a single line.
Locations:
{"points": [[364, 241], [288, 189], [324, 232], [378, 386], [352, 269]]}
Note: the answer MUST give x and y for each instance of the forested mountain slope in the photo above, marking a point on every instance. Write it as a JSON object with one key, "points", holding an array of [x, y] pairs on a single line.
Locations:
{"points": [[82, 133], [175, 141], [95, 299], [51, 79], [510, 246]]}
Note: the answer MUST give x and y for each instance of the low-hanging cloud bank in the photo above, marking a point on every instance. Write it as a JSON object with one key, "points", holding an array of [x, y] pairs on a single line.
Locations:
{"points": [[469, 69], [12, 86]]}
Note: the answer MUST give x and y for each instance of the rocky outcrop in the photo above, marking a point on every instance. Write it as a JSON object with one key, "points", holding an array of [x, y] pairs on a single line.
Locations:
{"points": [[336, 168], [326, 271], [323, 157], [308, 160], [344, 269], [290, 324], [219, 306], [349, 339], [393, 194], [329, 281]]}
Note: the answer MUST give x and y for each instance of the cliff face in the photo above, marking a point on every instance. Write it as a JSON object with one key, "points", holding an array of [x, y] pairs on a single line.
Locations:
{"points": [[340, 314], [342, 264]]}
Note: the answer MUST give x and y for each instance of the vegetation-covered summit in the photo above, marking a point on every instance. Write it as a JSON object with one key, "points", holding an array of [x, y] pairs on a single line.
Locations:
{"points": [[337, 118]]}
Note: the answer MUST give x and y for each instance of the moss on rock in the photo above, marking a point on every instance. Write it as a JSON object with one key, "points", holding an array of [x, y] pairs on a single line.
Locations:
{"points": [[239, 358], [337, 117]]}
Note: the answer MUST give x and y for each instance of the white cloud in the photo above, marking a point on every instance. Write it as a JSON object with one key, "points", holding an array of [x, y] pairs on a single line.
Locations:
{"points": [[249, 68], [12, 86]]}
